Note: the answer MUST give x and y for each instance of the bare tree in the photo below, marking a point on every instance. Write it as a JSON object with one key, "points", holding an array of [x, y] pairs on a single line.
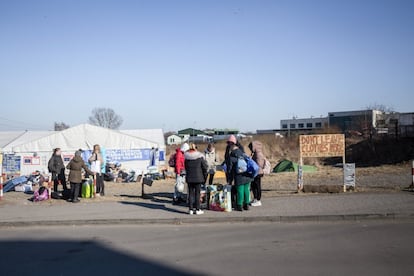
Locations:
{"points": [[105, 117], [60, 126], [380, 107]]}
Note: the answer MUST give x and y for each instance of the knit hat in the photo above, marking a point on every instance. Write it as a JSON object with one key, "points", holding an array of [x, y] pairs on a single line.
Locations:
{"points": [[185, 147], [232, 139]]}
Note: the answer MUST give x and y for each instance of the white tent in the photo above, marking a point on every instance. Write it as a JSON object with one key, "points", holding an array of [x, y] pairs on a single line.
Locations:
{"points": [[130, 150], [9, 139], [84, 137], [155, 135]]}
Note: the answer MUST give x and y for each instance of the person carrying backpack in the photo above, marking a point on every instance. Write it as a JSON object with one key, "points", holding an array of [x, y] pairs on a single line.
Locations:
{"points": [[241, 180], [180, 173], [57, 168], [226, 164], [256, 148], [75, 175], [196, 175]]}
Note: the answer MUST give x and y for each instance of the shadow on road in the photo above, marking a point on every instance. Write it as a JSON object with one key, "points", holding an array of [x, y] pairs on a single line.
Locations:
{"points": [[21, 257], [129, 196], [153, 206], [168, 196]]}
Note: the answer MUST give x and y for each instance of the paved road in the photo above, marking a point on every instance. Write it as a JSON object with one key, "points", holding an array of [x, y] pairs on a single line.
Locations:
{"points": [[371, 248], [312, 206]]}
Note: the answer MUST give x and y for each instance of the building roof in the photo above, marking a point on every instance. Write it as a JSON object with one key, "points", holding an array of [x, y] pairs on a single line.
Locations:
{"points": [[353, 113], [174, 135], [191, 131]]}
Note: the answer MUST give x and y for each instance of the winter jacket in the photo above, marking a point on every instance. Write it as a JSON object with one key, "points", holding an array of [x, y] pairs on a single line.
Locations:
{"points": [[211, 159], [75, 166], [228, 150], [232, 176], [56, 165], [257, 148], [196, 167], [179, 162]]}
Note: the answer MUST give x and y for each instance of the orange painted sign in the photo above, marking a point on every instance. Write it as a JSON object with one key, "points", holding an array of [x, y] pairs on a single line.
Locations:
{"points": [[322, 145]]}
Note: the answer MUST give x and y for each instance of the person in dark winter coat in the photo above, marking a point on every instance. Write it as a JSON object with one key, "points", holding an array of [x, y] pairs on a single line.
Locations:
{"points": [[256, 148], [232, 140], [196, 175], [75, 175], [240, 180], [57, 168], [227, 153]]}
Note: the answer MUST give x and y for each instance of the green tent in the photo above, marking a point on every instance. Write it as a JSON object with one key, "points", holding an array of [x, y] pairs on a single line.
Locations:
{"points": [[289, 166]]}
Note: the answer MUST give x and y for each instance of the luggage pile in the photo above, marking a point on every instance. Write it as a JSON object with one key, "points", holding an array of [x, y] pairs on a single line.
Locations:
{"points": [[25, 184], [217, 198]]}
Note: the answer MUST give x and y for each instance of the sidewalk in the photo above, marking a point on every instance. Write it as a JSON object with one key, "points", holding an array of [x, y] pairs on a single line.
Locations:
{"points": [[335, 207]]}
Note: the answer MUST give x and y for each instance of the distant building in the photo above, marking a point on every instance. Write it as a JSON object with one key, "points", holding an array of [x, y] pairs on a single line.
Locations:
{"points": [[406, 124], [360, 120], [174, 140], [304, 124], [201, 139], [194, 136], [191, 132], [395, 124], [277, 132], [224, 134]]}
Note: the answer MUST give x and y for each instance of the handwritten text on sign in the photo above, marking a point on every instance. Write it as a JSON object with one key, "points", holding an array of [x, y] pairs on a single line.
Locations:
{"points": [[323, 145]]}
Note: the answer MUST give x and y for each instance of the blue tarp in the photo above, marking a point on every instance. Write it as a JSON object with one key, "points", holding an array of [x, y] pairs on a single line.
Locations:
{"points": [[9, 185]]}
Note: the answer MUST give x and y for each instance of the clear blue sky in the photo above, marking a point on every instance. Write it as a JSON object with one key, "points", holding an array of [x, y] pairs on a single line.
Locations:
{"points": [[176, 64]]}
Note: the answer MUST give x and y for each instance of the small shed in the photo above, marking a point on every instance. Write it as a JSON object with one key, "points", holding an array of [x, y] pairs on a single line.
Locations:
{"points": [[174, 140]]}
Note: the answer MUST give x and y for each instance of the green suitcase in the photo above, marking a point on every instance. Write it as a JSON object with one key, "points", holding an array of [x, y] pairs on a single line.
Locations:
{"points": [[87, 188]]}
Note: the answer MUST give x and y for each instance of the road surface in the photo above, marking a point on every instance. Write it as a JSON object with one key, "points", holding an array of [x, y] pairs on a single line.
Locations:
{"points": [[342, 248]]}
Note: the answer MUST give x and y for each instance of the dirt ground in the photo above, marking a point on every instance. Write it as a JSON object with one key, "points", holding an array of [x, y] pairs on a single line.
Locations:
{"points": [[388, 178]]}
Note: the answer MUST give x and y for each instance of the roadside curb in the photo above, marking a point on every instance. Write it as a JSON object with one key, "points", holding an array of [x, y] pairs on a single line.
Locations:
{"points": [[204, 220]]}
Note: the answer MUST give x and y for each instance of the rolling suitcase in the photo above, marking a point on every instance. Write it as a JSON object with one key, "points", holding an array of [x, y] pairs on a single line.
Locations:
{"points": [[87, 188]]}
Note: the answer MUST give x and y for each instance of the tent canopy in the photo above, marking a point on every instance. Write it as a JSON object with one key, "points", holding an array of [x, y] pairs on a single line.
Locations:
{"points": [[9, 139], [84, 136], [154, 135], [289, 166]]}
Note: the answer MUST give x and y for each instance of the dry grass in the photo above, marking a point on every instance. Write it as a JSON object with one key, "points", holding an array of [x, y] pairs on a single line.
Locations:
{"points": [[274, 148]]}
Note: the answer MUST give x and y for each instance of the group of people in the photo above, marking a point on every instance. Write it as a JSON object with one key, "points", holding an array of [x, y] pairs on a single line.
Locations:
{"points": [[196, 168], [191, 167], [96, 168]]}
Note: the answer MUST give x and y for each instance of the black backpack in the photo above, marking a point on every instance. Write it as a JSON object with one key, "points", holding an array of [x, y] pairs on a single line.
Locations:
{"points": [[172, 160]]}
